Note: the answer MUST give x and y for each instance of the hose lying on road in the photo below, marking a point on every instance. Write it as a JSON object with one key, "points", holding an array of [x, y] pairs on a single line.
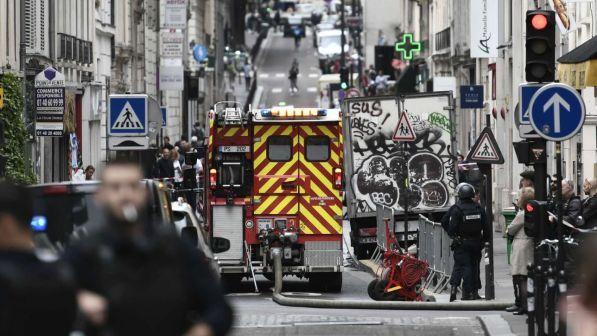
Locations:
{"points": [[366, 304], [397, 305]]}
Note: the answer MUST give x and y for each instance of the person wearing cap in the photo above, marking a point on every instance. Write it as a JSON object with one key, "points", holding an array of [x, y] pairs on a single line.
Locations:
{"points": [[527, 179], [466, 223]]}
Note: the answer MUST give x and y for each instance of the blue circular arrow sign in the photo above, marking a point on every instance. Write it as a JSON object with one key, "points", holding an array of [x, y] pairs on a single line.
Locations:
{"points": [[556, 112]]}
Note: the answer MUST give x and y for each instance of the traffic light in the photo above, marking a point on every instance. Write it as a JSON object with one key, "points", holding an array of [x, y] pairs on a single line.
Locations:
{"points": [[535, 214], [540, 46], [344, 81]]}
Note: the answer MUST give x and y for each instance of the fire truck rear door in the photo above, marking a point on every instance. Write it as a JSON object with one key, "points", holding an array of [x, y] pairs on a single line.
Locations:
{"points": [[275, 166], [320, 203]]}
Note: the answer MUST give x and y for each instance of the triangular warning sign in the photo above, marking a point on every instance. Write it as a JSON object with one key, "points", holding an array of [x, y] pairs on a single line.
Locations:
{"points": [[486, 150], [127, 119], [404, 130]]}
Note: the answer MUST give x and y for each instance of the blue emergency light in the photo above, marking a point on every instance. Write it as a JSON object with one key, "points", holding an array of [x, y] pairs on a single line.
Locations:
{"points": [[322, 112], [266, 113], [39, 223]]}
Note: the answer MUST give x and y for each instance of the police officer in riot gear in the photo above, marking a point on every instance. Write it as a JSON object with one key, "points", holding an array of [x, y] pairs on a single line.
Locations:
{"points": [[466, 223]]}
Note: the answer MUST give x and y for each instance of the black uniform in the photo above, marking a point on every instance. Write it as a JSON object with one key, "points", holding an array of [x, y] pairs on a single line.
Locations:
{"points": [[155, 284], [466, 222], [36, 297]]}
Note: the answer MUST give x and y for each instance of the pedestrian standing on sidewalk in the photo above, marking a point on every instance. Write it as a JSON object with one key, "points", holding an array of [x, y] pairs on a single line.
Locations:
{"points": [[247, 69], [589, 206], [466, 223], [522, 253]]}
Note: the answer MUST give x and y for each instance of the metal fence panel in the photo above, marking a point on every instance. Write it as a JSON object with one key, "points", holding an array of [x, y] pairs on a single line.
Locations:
{"points": [[383, 212]]}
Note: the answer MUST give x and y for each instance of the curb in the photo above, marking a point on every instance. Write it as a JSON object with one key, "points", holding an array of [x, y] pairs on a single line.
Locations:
{"points": [[389, 305], [495, 325]]}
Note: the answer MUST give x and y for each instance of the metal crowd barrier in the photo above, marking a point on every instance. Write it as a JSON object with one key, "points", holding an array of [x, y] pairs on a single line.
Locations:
{"points": [[434, 248]]}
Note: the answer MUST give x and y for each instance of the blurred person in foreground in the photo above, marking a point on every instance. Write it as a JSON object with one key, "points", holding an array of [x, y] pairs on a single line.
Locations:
{"points": [[139, 278], [582, 301], [37, 292]]}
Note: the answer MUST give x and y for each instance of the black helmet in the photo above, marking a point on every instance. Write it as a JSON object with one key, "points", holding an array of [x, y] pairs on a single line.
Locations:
{"points": [[465, 191]]}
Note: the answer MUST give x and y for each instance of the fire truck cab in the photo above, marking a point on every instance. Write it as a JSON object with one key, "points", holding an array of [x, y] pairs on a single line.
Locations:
{"points": [[275, 183]]}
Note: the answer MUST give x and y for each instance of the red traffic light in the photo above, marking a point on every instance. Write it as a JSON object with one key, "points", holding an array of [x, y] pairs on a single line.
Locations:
{"points": [[539, 21], [530, 207]]}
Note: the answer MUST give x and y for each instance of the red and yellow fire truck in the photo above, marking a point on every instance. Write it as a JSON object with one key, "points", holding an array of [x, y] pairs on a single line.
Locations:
{"points": [[275, 182]]}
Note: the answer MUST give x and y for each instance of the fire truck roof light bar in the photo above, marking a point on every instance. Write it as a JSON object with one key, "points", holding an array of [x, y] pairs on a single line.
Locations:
{"points": [[293, 113]]}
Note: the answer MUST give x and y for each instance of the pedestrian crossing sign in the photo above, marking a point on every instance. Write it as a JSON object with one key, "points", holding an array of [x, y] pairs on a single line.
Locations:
{"points": [[404, 130], [485, 150], [128, 115]]}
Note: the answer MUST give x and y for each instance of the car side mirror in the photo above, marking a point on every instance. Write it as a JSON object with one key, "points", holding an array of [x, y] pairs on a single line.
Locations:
{"points": [[190, 235], [219, 245]]}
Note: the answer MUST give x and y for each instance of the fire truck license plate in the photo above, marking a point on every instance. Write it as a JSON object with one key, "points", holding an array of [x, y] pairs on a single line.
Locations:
{"points": [[234, 149]]}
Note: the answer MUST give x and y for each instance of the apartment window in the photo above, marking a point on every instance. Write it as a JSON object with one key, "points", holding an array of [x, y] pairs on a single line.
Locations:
{"points": [[442, 39], [112, 11], [62, 51]]}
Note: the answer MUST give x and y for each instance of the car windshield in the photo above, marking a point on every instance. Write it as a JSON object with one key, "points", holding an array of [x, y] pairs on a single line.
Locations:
{"points": [[329, 40], [62, 214]]}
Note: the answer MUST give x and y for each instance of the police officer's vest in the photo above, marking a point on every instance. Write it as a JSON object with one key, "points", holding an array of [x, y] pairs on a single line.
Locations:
{"points": [[471, 225]]}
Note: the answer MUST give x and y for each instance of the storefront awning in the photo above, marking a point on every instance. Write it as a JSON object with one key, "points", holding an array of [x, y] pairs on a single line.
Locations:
{"points": [[578, 68]]}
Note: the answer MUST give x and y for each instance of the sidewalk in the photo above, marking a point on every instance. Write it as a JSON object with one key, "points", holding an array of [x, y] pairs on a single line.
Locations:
{"points": [[503, 287]]}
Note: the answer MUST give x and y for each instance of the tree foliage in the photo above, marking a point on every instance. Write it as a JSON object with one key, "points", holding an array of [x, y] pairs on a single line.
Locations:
{"points": [[15, 134]]}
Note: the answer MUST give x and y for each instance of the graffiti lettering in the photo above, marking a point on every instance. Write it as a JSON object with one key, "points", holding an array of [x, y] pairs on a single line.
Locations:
{"points": [[382, 198], [441, 121], [372, 108], [362, 127]]}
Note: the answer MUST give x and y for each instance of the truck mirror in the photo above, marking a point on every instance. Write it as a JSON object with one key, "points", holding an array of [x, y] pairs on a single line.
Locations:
{"points": [[219, 245]]}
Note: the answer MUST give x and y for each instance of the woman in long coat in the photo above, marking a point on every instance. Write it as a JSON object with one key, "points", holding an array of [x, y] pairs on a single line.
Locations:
{"points": [[522, 249]]}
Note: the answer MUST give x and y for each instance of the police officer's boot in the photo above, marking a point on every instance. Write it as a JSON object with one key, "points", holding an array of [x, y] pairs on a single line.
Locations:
{"points": [[467, 296], [453, 293]]}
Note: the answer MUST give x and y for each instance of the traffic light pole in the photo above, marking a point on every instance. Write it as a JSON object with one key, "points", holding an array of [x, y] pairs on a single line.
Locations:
{"points": [[489, 270], [561, 271], [539, 280]]}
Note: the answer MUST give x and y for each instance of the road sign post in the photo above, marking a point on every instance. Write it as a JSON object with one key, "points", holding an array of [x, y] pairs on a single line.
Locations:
{"points": [[128, 119], [556, 112], [404, 132], [486, 152]]}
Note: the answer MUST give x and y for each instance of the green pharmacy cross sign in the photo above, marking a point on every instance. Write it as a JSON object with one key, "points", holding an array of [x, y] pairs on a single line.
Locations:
{"points": [[407, 47]]}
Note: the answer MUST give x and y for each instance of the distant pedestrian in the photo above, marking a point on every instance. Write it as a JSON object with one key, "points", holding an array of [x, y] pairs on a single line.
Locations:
{"points": [[167, 143], [165, 167], [527, 179], [522, 253], [37, 295], [381, 38], [89, 171], [247, 70], [589, 206], [276, 20], [175, 156], [466, 223], [293, 76], [572, 207], [183, 138], [137, 277], [381, 82]]}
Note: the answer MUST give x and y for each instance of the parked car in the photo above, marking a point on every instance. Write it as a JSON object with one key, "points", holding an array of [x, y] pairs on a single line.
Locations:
{"points": [[63, 210], [188, 227]]}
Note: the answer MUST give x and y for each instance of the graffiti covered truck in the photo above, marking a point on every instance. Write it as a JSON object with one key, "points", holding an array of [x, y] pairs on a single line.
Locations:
{"points": [[375, 165]]}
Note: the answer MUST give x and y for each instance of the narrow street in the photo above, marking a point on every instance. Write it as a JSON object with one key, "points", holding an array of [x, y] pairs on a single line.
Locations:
{"points": [[274, 64]]}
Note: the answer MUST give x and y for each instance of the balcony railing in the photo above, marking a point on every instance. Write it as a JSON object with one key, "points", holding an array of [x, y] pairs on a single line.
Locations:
{"points": [[442, 39]]}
